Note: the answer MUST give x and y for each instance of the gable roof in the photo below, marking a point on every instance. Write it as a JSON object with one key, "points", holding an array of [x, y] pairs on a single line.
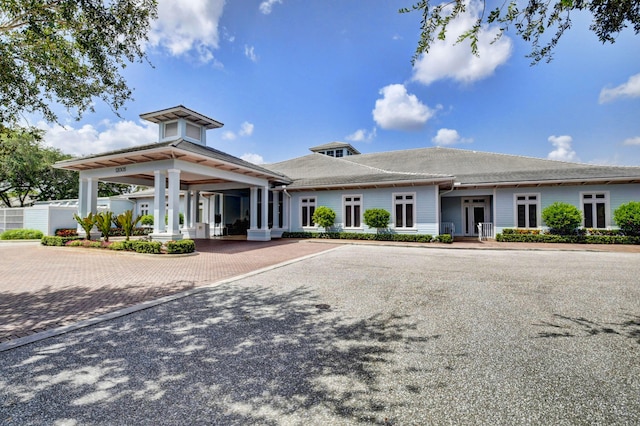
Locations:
{"points": [[468, 169], [180, 149]]}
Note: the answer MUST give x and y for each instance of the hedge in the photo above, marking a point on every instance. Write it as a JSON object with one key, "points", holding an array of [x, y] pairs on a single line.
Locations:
{"points": [[21, 234], [570, 239], [407, 238], [181, 246]]}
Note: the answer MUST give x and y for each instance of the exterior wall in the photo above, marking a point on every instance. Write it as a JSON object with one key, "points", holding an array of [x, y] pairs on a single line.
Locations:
{"points": [[48, 218], [425, 211], [618, 194]]}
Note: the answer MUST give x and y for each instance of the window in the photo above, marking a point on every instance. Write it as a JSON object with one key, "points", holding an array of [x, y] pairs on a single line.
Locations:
{"points": [[352, 209], [594, 208], [339, 152], [171, 129], [404, 207], [330, 153], [527, 208], [193, 131], [308, 208], [144, 209]]}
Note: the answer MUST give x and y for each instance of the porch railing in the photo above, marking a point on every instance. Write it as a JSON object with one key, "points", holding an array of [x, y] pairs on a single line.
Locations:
{"points": [[485, 231], [447, 228]]}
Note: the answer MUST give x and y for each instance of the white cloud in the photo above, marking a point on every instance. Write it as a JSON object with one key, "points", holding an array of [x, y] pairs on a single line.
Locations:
{"points": [[446, 59], [229, 135], [184, 27], [252, 158], [400, 110], [632, 141], [446, 137], [362, 135], [250, 53], [267, 5], [630, 89], [106, 137], [246, 129], [563, 150]]}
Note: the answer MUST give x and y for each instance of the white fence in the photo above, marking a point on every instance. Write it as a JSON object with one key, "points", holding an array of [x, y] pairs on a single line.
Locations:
{"points": [[485, 231], [11, 218]]}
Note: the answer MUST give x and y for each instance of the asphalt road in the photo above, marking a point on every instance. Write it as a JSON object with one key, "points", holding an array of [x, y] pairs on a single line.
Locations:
{"points": [[357, 335]]}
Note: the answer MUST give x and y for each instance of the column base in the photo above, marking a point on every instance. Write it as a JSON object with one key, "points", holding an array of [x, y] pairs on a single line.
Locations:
{"points": [[166, 236], [259, 235], [189, 233]]}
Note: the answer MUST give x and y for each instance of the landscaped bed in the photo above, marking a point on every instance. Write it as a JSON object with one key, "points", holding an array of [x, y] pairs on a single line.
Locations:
{"points": [[138, 246]]}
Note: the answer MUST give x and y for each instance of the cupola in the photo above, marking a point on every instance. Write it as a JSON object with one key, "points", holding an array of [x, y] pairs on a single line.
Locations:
{"points": [[181, 123]]}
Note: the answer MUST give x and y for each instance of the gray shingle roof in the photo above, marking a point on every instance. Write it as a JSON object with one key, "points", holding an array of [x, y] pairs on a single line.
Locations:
{"points": [[466, 166], [319, 170]]}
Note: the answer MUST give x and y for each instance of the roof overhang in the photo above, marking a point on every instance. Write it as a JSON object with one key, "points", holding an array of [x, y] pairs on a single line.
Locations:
{"points": [[555, 182], [444, 183], [180, 111]]}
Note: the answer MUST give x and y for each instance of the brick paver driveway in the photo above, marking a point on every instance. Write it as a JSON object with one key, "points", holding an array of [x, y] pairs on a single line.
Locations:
{"points": [[46, 287]]}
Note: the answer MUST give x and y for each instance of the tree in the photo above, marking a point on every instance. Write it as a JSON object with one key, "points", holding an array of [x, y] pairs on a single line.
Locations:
{"points": [[562, 218], [325, 217], [377, 218], [26, 174], [68, 52], [530, 19], [127, 222]]}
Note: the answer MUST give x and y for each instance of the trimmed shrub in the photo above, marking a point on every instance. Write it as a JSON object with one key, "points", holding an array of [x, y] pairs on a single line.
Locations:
{"points": [[153, 247], [52, 241], [21, 234], [377, 218], [146, 220], [444, 238], [627, 217], [182, 246], [325, 217], [562, 218]]}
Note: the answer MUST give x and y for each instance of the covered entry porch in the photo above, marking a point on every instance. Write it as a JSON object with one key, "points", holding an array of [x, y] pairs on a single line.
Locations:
{"points": [[468, 215]]}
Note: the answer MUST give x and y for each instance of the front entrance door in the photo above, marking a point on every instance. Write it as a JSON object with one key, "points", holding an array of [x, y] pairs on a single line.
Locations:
{"points": [[474, 211]]}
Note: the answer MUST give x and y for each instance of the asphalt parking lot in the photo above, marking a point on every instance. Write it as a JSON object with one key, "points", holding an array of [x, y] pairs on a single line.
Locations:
{"points": [[357, 335]]}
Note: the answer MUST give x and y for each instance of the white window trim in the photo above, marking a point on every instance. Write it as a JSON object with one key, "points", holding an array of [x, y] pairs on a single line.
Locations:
{"points": [[315, 205], [344, 205], [164, 129], [607, 208], [538, 208], [415, 211]]}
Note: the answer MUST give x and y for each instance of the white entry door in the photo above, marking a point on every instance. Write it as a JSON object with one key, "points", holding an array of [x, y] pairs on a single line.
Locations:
{"points": [[474, 211]]}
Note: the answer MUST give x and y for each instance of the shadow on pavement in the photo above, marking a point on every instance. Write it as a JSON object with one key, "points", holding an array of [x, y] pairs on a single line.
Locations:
{"points": [[222, 356]]}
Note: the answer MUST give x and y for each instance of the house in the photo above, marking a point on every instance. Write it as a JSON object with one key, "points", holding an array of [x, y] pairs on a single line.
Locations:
{"points": [[426, 190]]}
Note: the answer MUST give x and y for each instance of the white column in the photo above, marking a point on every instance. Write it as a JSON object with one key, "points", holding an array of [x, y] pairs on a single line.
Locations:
{"points": [[92, 196], [159, 200], [265, 208], [82, 198], [253, 214], [188, 210], [286, 206], [195, 206], [174, 201], [275, 209]]}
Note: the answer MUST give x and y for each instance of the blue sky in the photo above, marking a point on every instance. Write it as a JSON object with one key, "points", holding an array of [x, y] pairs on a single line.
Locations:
{"points": [[286, 75]]}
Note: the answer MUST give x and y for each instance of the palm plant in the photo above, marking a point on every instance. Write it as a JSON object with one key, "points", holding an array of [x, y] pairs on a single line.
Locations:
{"points": [[127, 222], [103, 223], [86, 223]]}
